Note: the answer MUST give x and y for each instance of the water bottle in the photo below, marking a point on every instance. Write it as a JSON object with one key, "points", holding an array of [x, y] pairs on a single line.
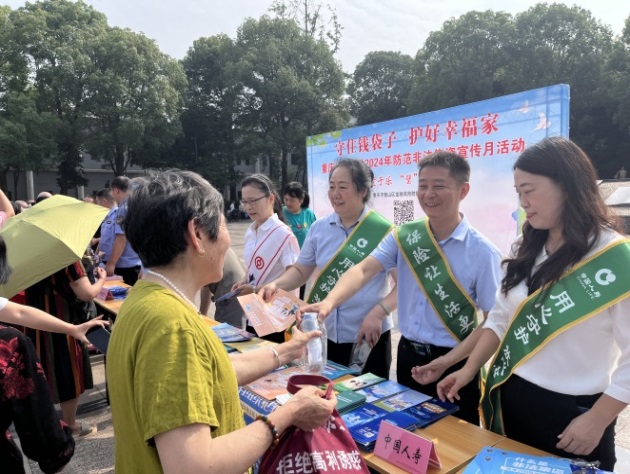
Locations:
{"points": [[360, 353], [316, 353]]}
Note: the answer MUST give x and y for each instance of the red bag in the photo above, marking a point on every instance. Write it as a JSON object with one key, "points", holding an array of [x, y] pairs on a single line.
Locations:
{"points": [[329, 448]]}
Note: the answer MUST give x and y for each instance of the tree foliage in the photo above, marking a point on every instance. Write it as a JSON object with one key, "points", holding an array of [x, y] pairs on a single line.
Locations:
{"points": [[70, 83], [317, 20], [380, 86], [133, 98], [211, 121], [293, 88], [469, 59]]}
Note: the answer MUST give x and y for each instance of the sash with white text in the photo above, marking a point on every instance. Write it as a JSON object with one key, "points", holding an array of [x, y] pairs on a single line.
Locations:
{"points": [[359, 244], [587, 289], [429, 265]]}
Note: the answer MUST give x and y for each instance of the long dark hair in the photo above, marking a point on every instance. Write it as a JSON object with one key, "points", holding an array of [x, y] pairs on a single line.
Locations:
{"points": [[260, 181], [583, 216]]}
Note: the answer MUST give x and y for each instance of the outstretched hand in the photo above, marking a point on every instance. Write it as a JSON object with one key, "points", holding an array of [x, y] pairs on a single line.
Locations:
{"points": [[81, 330], [429, 373], [323, 310], [451, 385]]}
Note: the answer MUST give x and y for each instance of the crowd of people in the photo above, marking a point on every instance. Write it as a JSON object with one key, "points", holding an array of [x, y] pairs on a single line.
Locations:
{"points": [[559, 352]]}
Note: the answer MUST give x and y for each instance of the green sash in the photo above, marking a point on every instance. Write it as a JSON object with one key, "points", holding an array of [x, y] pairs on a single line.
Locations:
{"points": [[587, 289], [434, 276], [362, 240]]}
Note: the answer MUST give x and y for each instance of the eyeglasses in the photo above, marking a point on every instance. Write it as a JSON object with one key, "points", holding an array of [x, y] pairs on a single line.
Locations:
{"points": [[251, 202]]}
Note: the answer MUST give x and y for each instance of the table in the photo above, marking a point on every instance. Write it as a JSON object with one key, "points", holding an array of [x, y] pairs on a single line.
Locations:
{"points": [[456, 441], [507, 444], [111, 306]]}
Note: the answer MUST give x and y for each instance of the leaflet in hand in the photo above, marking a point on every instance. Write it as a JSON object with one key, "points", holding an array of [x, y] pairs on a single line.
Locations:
{"points": [[273, 316]]}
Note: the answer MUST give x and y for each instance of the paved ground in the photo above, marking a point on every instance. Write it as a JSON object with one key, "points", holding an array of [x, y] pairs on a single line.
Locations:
{"points": [[94, 454]]}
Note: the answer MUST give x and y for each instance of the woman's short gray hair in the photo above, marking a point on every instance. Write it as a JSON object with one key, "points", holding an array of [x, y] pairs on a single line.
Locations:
{"points": [[160, 206]]}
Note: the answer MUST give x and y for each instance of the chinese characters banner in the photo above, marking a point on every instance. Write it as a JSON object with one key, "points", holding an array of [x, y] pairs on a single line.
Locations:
{"points": [[490, 134]]}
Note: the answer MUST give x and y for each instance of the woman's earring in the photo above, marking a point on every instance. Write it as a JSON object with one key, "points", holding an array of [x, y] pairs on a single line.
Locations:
{"points": [[202, 251]]}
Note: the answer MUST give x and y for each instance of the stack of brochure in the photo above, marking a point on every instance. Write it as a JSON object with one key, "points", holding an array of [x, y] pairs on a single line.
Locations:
{"points": [[348, 400], [407, 409], [361, 381], [431, 411]]}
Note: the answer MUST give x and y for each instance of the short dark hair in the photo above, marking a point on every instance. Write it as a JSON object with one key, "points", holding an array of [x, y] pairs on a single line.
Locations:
{"points": [[361, 174], [262, 182], [121, 182], [457, 166], [104, 193], [159, 208], [295, 189]]}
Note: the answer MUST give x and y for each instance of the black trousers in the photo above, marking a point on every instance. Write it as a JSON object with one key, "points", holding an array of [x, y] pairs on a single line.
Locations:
{"points": [[536, 416], [129, 275], [379, 360], [410, 356]]}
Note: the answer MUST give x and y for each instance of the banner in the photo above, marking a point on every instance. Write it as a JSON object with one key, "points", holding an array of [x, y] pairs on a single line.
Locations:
{"points": [[490, 134]]}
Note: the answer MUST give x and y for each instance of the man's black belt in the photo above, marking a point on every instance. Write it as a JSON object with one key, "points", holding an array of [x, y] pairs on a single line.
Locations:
{"points": [[426, 350]]}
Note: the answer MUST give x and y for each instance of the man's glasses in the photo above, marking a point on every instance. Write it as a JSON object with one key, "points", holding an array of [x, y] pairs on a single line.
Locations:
{"points": [[251, 202]]}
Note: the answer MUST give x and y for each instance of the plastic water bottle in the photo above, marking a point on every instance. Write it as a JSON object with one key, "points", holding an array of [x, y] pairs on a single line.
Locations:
{"points": [[360, 353], [316, 352]]}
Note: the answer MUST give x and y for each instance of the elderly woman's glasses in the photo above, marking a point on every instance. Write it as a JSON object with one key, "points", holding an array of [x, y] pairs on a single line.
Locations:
{"points": [[251, 202]]}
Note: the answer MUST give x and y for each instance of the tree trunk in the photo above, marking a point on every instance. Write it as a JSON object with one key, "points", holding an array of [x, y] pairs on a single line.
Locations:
{"points": [[16, 179], [284, 157], [119, 162], [3, 179]]}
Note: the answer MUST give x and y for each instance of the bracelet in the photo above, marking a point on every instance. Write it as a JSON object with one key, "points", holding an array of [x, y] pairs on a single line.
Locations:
{"points": [[272, 427], [276, 355], [385, 308]]}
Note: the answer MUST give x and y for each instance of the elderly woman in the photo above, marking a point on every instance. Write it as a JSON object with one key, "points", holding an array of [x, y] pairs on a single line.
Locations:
{"points": [[173, 387]]}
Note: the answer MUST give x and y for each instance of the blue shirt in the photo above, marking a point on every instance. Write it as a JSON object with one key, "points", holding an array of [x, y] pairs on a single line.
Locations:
{"points": [[108, 233], [475, 263], [129, 258], [324, 239]]}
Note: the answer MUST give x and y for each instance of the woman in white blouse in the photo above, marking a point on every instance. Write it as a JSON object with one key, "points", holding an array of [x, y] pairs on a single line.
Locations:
{"points": [[561, 374]]}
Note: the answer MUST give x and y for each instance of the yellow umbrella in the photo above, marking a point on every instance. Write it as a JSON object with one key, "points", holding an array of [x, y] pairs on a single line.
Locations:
{"points": [[46, 238]]}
